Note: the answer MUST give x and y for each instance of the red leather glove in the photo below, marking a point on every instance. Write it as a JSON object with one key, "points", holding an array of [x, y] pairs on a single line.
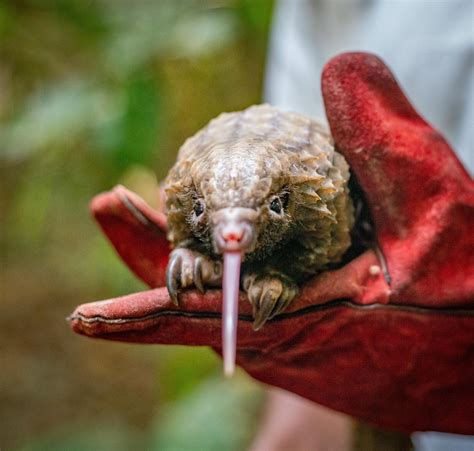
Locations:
{"points": [[399, 355]]}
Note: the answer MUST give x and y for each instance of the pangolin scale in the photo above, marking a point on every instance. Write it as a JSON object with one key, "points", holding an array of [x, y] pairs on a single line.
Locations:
{"points": [[276, 179]]}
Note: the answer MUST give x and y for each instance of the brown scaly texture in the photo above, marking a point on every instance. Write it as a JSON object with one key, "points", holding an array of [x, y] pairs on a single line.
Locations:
{"points": [[243, 159]]}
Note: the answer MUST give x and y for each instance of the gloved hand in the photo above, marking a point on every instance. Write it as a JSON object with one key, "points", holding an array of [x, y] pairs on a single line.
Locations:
{"points": [[399, 355]]}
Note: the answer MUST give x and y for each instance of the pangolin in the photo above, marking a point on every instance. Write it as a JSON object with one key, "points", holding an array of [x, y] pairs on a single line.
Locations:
{"points": [[265, 184]]}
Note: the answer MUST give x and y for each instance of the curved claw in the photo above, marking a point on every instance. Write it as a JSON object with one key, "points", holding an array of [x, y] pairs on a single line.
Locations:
{"points": [[286, 296], [269, 295], [197, 275], [267, 302], [173, 278]]}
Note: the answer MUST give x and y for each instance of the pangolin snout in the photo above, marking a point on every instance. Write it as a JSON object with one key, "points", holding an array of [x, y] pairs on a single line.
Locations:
{"points": [[234, 230]]}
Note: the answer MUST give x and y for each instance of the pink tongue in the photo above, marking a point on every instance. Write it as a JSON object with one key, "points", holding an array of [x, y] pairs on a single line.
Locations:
{"points": [[230, 288]]}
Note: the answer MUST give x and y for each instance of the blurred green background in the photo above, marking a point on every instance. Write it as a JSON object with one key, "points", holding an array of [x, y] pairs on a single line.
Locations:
{"points": [[92, 94]]}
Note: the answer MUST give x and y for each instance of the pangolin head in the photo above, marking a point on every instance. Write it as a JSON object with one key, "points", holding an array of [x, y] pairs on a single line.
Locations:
{"points": [[234, 198], [249, 179]]}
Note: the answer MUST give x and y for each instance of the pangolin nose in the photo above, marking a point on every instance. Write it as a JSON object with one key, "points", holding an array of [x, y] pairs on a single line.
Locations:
{"points": [[233, 233], [234, 230], [234, 237]]}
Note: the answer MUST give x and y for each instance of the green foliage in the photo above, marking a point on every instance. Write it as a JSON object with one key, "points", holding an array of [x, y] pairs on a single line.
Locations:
{"points": [[56, 116], [220, 414], [95, 93], [95, 439], [181, 367], [133, 134]]}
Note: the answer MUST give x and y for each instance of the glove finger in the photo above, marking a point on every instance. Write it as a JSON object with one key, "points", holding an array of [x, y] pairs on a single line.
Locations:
{"points": [[398, 158], [137, 232], [151, 317]]}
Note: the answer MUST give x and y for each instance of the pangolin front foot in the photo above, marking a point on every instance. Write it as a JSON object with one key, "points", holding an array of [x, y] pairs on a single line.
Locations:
{"points": [[187, 268], [269, 293]]}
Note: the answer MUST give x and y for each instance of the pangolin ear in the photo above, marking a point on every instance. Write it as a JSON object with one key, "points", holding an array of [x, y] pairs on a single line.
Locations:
{"points": [[137, 232]]}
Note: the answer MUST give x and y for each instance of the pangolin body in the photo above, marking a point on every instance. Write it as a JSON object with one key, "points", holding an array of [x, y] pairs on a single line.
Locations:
{"points": [[268, 184]]}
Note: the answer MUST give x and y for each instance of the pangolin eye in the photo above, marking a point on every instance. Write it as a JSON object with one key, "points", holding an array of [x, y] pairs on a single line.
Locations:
{"points": [[198, 208], [276, 205]]}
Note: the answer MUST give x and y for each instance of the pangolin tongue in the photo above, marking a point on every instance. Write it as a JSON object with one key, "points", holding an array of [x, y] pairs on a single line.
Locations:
{"points": [[230, 288]]}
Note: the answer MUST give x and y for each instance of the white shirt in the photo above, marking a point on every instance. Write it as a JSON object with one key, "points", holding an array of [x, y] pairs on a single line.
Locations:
{"points": [[427, 44]]}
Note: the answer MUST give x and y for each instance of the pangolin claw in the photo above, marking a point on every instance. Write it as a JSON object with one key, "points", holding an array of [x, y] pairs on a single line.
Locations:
{"points": [[284, 301], [173, 278], [187, 268], [197, 275], [268, 294], [264, 310]]}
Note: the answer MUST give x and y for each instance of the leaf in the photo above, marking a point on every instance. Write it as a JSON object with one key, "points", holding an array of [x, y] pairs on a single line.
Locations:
{"points": [[201, 34], [131, 138], [219, 415], [56, 115]]}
